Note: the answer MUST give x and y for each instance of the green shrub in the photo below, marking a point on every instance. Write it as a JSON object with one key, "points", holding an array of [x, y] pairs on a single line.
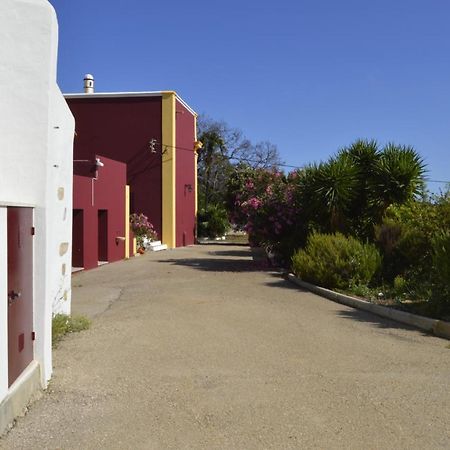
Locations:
{"points": [[406, 239], [440, 295], [63, 324], [400, 286], [212, 222], [336, 261], [361, 290]]}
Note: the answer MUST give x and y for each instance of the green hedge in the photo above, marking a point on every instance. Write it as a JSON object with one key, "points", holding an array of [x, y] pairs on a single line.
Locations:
{"points": [[441, 272], [212, 222], [336, 261]]}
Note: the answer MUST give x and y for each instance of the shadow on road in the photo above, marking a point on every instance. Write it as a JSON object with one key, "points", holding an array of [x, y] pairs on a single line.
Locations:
{"points": [[234, 253], [224, 244], [280, 281], [219, 264], [353, 314], [378, 321]]}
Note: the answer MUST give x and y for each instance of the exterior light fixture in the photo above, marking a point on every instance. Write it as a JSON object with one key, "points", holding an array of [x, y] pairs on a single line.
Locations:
{"points": [[152, 145]]}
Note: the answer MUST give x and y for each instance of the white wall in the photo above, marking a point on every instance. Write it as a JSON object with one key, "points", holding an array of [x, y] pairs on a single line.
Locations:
{"points": [[36, 139]]}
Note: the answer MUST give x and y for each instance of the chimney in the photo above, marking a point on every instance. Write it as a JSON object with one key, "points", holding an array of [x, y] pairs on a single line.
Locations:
{"points": [[88, 84]]}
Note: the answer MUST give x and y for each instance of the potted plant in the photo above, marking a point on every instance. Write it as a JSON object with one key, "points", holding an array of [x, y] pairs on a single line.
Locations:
{"points": [[143, 230]]}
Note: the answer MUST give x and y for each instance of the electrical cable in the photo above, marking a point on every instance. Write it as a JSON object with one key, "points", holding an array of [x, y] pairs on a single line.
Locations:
{"points": [[231, 158]]}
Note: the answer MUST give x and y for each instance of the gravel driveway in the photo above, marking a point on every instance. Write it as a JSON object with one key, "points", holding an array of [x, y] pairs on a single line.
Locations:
{"points": [[201, 348]]}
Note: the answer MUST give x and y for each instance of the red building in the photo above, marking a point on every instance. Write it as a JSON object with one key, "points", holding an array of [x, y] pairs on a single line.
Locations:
{"points": [[154, 135], [100, 219]]}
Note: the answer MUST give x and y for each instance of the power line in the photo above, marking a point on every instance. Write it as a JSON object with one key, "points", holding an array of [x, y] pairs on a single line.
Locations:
{"points": [[437, 181], [233, 158]]}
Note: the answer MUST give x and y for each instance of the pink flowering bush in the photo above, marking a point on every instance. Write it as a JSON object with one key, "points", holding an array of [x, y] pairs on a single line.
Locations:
{"points": [[262, 202], [142, 228]]}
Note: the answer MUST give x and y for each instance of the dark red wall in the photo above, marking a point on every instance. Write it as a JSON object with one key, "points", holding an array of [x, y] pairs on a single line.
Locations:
{"points": [[108, 194], [185, 176], [121, 129], [77, 238]]}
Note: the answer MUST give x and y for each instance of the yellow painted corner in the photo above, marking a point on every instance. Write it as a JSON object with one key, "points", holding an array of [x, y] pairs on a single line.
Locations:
{"points": [[127, 222], [169, 169], [197, 146]]}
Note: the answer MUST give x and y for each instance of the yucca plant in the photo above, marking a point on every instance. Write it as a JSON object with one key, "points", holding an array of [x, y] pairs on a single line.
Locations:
{"points": [[327, 191], [398, 177], [365, 155]]}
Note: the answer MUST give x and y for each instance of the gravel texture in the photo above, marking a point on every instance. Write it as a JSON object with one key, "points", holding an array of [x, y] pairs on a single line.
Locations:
{"points": [[201, 348]]}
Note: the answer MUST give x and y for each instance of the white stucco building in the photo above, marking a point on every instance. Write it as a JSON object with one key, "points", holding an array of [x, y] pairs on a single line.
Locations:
{"points": [[36, 141]]}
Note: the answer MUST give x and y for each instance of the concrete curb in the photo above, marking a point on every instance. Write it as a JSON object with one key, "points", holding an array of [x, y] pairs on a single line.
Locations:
{"points": [[437, 327], [25, 390]]}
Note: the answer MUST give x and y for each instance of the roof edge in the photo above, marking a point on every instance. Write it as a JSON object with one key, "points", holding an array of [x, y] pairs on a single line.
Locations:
{"points": [[81, 95]]}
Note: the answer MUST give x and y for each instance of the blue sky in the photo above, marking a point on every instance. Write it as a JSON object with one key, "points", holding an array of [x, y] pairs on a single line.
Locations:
{"points": [[310, 76]]}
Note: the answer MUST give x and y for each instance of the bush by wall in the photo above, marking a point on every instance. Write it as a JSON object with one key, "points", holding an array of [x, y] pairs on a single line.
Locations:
{"points": [[212, 222], [336, 261], [440, 293]]}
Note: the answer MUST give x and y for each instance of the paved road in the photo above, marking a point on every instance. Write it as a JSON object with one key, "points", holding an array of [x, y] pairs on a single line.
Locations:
{"points": [[200, 349]]}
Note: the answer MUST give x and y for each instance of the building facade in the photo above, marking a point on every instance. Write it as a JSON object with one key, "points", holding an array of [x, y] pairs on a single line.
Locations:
{"points": [[154, 134], [100, 212], [36, 141]]}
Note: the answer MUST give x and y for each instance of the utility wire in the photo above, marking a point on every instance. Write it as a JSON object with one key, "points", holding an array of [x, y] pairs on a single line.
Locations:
{"points": [[240, 159]]}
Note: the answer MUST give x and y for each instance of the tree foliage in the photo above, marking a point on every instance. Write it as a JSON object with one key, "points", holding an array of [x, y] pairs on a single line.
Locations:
{"points": [[352, 190], [223, 149]]}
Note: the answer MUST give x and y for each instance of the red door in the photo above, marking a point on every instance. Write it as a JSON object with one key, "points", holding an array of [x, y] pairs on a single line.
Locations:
{"points": [[102, 235], [20, 291]]}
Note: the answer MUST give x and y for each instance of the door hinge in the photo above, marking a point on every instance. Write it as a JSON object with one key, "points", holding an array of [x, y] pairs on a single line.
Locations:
{"points": [[33, 336], [33, 231]]}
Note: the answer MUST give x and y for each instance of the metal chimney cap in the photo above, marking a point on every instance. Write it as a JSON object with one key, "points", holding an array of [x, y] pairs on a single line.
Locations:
{"points": [[88, 84]]}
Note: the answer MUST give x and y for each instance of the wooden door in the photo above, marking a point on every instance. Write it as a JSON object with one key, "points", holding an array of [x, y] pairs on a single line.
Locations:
{"points": [[20, 291], [102, 235]]}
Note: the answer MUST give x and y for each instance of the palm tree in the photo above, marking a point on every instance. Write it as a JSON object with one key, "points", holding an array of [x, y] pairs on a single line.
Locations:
{"points": [[398, 177], [327, 191], [351, 191], [365, 155]]}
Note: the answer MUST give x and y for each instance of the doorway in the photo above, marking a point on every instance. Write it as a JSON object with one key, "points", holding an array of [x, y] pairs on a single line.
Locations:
{"points": [[78, 239], [20, 290], [102, 236]]}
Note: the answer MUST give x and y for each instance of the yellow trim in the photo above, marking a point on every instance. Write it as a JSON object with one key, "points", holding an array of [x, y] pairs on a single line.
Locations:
{"points": [[127, 222], [168, 169], [197, 146], [134, 246], [195, 128]]}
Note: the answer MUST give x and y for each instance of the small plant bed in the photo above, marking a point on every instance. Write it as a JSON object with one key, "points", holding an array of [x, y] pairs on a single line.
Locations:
{"points": [[438, 327], [63, 324], [348, 266], [386, 296]]}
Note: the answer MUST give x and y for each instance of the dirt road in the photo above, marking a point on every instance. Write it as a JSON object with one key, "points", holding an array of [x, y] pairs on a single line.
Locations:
{"points": [[198, 348]]}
